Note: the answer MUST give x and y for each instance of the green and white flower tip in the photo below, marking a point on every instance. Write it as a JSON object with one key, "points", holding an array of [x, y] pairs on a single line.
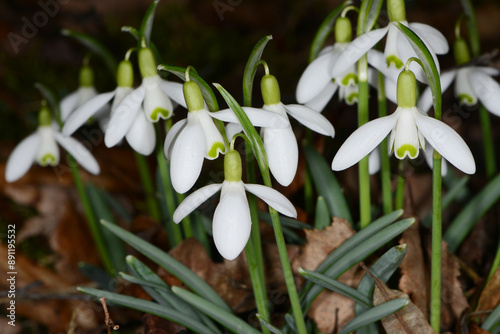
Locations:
{"points": [[472, 83], [409, 129], [232, 222], [191, 140], [317, 84], [41, 147], [139, 134], [85, 92], [397, 48]]}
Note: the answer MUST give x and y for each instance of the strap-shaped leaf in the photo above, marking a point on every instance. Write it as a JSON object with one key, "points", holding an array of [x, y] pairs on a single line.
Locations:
{"points": [[148, 307], [132, 31], [179, 270], [375, 314], [267, 325], [95, 46], [472, 30], [428, 65], [368, 15], [251, 69], [322, 217], [493, 320], [147, 24], [285, 221]]}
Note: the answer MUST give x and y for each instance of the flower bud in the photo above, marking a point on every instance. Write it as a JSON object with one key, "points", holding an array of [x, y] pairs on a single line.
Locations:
{"points": [[461, 51], [86, 78], [232, 166], [125, 74], [193, 96], [407, 89], [396, 10], [343, 30], [147, 63], [270, 90]]}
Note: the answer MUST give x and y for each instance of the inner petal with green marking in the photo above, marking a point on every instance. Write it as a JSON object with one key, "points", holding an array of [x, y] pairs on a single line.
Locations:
{"points": [[405, 138], [213, 138], [48, 159], [159, 113], [393, 59]]}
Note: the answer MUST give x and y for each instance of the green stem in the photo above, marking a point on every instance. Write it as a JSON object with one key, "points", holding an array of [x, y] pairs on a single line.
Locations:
{"points": [[173, 230], [494, 267], [364, 176], [489, 149], [95, 229], [435, 307], [400, 188], [385, 166], [147, 184], [186, 222]]}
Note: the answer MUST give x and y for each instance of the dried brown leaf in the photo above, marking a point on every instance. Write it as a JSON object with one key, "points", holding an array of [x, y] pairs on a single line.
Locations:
{"points": [[490, 297]]}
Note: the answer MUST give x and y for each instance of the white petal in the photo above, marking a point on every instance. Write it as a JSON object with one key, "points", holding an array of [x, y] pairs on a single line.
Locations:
{"points": [[378, 61], [172, 136], [232, 223], [356, 49], [69, 103], [232, 129], [141, 135], [156, 103], [393, 57], [23, 156], [214, 142], [85, 111], [432, 37], [447, 142], [48, 152], [174, 91], [491, 71], [79, 152], [464, 90], [123, 116], [391, 91], [282, 153], [425, 100], [363, 141], [188, 152], [258, 117], [406, 137], [120, 94], [194, 200], [320, 101], [315, 78], [273, 198], [374, 161], [487, 90], [311, 118]]}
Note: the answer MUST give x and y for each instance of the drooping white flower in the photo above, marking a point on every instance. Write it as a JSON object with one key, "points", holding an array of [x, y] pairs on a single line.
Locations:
{"points": [[409, 127], [232, 222], [472, 83], [41, 147], [317, 85], [153, 95]]}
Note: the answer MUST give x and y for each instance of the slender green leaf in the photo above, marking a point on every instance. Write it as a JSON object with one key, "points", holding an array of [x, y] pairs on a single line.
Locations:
{"points": [[375, 314], [51, 98], [97, 275], [324, 30], [473, 32], [251, 69], [94, 46], [493, 319], [267, 325], [148, 307], [220, 315], [334, 285], [471, 213], [428, 65], [114, 245], [147, 24], [326, 184], [285, 221], [368, 15], [323, 218], [142, 283], [190, 279], [132, 31]]}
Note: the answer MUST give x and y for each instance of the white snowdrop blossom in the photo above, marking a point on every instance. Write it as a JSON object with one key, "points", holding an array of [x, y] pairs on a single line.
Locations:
{"points": [[41, 147], [317, 85], [232, 222], [409, 128], [140, 135], [191, 140], [151, 98], [472, 83], [397, 48]]}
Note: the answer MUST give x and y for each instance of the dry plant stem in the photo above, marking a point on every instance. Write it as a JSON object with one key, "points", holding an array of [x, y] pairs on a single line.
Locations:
{"points": [[435, 307], [107, 319], [147, 184], [91, 219], [364, 176], [385, 167]]}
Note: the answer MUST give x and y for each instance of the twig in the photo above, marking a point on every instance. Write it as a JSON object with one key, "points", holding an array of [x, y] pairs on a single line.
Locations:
{"points": [[107, 320]]}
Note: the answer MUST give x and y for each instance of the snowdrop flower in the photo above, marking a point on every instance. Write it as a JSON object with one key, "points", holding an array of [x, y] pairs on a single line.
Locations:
{"points": [[232, 223], [85, 92], [140, 135], [151, 95], [397, 48], [192, 139], [409, 128], [317, 85], [472, 83], [41, 147]]}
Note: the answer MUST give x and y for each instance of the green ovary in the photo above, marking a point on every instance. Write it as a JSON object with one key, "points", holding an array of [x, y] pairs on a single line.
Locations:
{"points": [[218, 146], [159, 112], [401, 151], [394, 60], [48, 159]]}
